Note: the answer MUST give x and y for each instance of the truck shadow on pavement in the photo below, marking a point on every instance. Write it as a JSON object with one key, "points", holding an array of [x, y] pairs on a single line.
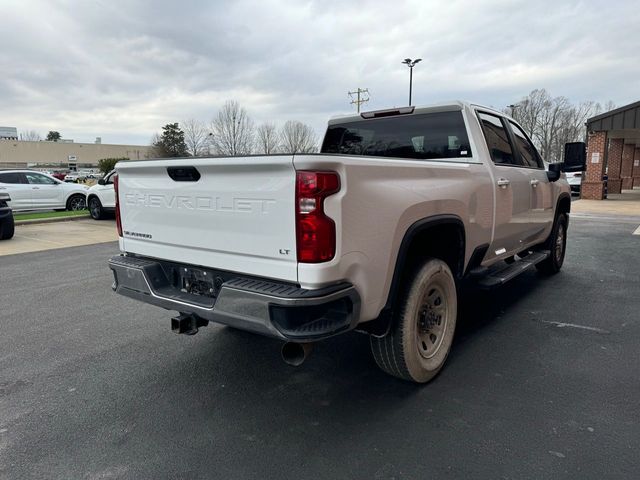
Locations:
{"points": [[478, 308], [340, 371]]}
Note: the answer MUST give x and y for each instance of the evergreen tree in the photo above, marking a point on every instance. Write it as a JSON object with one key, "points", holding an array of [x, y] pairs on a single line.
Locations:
{"points": [[171, 143]]}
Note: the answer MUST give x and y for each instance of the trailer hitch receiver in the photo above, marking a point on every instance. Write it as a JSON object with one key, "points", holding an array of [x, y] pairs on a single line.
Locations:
{"points": [[187, 323]]}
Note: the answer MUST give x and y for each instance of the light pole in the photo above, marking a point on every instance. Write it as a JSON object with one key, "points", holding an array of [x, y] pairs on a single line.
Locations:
{"points": [[411, 63]]}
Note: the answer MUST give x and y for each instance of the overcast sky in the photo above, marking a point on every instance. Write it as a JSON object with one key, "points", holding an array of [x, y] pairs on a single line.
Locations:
{"points": [[122, 69]]}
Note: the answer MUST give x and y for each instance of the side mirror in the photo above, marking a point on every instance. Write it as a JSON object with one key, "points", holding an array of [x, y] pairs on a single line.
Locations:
{"points": [[102, 182], [575, 156], [555, 169]]}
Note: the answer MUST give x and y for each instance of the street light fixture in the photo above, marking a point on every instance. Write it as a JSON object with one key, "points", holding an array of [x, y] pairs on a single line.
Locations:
{"points": [[411, 63]]}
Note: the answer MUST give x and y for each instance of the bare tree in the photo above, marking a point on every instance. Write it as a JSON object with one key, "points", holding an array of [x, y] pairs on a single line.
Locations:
{"points": [[296, 137], [527, 111], [30, 136], [551, 122], [233, 130], [155, 150], [572, 126], [267, 140], [196, 136]]}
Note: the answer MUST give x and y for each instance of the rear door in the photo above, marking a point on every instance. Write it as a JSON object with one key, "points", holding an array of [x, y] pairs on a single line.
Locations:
{"points": [[235, 214], [512, 189], [15, 184], [541, 207], [45, 191]]}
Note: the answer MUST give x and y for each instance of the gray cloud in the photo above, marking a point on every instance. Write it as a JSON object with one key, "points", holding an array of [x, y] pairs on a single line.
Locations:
{"points": [[122, 69]]}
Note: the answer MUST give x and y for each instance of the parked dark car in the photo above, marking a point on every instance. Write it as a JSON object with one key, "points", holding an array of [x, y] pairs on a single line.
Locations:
{"points": [[6, 217]]}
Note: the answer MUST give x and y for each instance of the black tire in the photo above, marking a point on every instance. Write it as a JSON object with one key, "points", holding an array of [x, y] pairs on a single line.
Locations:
{"points": [[95, 208], [76, 202], [7, 228], [420, 338], [557, 246]]}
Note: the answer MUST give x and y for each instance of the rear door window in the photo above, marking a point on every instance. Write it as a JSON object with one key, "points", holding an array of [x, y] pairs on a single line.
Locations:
{"points": [[12, 177], [39, 179], [497, 139], [525, 148], [427, 136]]}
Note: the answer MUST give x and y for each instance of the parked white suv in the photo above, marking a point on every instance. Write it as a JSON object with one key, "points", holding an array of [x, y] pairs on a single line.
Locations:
{"points": [[101, 197], [31, 190]]}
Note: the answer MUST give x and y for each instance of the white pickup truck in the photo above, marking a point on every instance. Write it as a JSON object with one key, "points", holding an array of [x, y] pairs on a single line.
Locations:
{"points": [[375, 233]]}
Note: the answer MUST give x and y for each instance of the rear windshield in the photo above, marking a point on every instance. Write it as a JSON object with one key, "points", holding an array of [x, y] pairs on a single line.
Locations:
{"points": [[425, 136]]}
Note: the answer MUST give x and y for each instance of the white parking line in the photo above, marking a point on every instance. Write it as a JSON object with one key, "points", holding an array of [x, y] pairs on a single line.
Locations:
{"points": [[637, 232], [573, 325]]}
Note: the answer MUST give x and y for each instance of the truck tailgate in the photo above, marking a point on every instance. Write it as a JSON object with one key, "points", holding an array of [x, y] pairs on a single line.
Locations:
{"points": [[238, 216]]}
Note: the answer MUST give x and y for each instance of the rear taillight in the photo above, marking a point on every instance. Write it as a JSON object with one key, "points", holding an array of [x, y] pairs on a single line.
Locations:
{"points": [[316, 233], [118, 221]]}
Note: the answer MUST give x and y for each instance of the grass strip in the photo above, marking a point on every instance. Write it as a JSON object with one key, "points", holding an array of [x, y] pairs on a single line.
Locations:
{"points": [[38, 215]]}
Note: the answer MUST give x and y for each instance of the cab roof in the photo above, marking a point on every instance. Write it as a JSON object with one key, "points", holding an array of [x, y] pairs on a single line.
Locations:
{"points": [[447, 106]]}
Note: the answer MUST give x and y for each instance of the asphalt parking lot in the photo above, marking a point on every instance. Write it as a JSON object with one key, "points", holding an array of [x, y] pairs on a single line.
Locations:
{"points": [[543, 382]]}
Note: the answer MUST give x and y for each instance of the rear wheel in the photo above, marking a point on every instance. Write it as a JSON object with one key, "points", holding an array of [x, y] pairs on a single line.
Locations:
{"points": [[7, 228], [76, 202], [556, 244], [420, 338], [95, 208]]}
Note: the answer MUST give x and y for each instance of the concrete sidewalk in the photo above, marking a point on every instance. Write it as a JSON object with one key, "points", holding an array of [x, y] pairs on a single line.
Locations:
{"points": [[48, 236], [626, 204]]}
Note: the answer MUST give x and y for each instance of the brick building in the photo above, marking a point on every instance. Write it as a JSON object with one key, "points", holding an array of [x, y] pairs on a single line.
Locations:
{"points": [[613, 148]]}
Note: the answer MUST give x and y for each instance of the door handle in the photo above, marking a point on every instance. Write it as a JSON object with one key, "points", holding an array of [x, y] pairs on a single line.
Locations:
{"points": [[503, 182], [534, 183], [3, 188], [35, 188]]}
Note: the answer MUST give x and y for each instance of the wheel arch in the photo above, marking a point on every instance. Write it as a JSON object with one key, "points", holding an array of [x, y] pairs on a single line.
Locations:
{"points": [[439, 236], [563, 204], [74, 194]]}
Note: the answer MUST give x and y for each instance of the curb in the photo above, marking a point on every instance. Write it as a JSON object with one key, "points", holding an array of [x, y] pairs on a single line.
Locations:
{"points": [[606, 216], [35, 221]]}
